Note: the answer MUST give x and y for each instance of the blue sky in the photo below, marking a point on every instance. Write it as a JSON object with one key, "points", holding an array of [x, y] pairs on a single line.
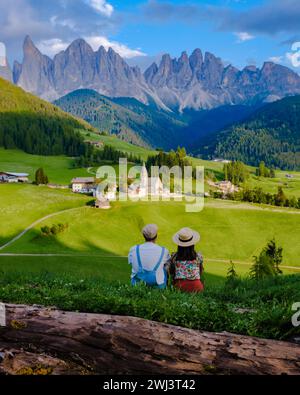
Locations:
{"points": [[241, 32]]}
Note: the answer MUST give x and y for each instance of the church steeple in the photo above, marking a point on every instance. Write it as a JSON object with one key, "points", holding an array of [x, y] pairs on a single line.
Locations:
{"points": [[144, 177]]}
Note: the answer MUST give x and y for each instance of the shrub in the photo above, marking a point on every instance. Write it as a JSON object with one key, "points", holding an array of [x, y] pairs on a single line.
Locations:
{"points": [[54, 230]]}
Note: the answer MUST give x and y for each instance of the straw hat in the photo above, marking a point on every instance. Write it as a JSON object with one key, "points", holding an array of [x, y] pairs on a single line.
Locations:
{"points": [[186, 237], [150, 231]]}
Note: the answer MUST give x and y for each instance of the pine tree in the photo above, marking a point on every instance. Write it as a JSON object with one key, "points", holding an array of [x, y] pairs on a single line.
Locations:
{"points": [[262, 267], [232, 277], [40, 177], [275, 254]]}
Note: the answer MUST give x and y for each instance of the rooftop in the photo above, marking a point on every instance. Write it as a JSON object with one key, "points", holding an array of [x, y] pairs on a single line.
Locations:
{"points": [[83, 180], [15, 174]]}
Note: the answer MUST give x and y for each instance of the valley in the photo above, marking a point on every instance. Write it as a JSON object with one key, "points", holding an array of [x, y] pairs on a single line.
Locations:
{"points": [[89, 247]]}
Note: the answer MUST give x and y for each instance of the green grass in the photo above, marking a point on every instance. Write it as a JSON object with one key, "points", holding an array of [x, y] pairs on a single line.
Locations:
{"points": [[21, 205], [119, 144], [291, 187], [58, 168], [229, 231], [268, 303]]}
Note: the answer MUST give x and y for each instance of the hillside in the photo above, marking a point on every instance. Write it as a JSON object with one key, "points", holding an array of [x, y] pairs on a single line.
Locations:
{"points": [[37, 127], [271, 134], [127, 118]]}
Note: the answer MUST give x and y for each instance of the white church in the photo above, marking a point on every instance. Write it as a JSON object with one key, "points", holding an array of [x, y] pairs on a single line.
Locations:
{"points": [[146, 186]]}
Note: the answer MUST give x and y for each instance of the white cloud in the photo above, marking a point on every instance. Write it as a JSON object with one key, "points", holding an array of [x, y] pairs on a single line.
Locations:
{"points": [[2, 55], [53, 46], [294, 57], [101, 6], [121, 49], [55, 21], [244, 36], [276, 59]]}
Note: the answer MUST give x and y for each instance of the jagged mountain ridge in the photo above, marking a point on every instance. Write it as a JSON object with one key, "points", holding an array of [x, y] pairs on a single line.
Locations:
{"points": [[193, 82]]}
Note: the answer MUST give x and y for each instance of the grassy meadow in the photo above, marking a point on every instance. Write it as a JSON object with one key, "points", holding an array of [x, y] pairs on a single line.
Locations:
{"points": [[119, 144], [97, 241], [223, 227], [85, 268], [21, 205], [58, 168]]}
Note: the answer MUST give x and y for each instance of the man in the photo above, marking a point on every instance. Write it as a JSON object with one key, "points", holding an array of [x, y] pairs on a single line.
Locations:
{"points": [[148, 260]]}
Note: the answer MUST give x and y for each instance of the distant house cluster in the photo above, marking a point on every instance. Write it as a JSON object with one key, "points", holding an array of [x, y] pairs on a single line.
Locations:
{"points": [[97, 144], [83, 185], [7, 177], [225, 187], [219, 160], [145, 186]]}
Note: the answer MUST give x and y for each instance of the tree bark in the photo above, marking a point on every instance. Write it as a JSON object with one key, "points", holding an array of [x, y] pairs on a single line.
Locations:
{"points": [[38, 340]]}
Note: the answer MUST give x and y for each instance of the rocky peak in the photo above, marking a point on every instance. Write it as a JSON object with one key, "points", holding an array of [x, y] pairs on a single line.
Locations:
{"points": [[17, 70], [251, 68], [212, 70], [165, 66], [196, 60], [230, 76], [28, 46], [81, 47], [151, 72]]}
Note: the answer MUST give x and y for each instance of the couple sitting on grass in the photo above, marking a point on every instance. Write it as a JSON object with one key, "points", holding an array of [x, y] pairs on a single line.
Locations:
{"points": [[153, 265]]}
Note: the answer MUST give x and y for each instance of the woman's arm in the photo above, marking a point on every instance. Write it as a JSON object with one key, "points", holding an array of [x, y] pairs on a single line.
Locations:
{"points": [[201, 267], [171, 266]]}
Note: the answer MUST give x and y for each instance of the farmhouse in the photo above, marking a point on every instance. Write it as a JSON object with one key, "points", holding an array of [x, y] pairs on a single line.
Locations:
{"points": [[13, 177], [83, 184]]}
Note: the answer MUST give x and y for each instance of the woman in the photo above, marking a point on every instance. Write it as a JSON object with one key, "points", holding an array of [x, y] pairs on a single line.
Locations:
{"points": [[186, 266]]}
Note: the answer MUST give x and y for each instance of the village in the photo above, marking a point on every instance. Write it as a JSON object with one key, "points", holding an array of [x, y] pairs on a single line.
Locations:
{"points": [[146, 186]]}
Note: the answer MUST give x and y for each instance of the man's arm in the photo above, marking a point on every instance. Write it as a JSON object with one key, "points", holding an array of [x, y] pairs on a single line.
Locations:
{"points": [[130, 256]]}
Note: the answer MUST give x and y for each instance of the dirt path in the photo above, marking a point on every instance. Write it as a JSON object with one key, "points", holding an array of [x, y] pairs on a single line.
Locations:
{"points": [[248, 206]]}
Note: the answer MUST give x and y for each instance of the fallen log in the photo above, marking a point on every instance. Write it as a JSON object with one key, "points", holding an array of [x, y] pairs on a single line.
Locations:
{"points": [[40, 340]]}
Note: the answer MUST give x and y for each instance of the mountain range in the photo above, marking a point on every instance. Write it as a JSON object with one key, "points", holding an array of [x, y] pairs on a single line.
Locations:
{"points": [[191, 82]]}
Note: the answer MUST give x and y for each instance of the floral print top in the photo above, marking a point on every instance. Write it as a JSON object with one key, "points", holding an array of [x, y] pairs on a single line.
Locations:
{"points": [[187, 270]]}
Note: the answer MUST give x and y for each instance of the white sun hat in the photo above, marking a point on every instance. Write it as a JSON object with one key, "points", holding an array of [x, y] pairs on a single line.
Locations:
{"points": [[186, 237]]}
